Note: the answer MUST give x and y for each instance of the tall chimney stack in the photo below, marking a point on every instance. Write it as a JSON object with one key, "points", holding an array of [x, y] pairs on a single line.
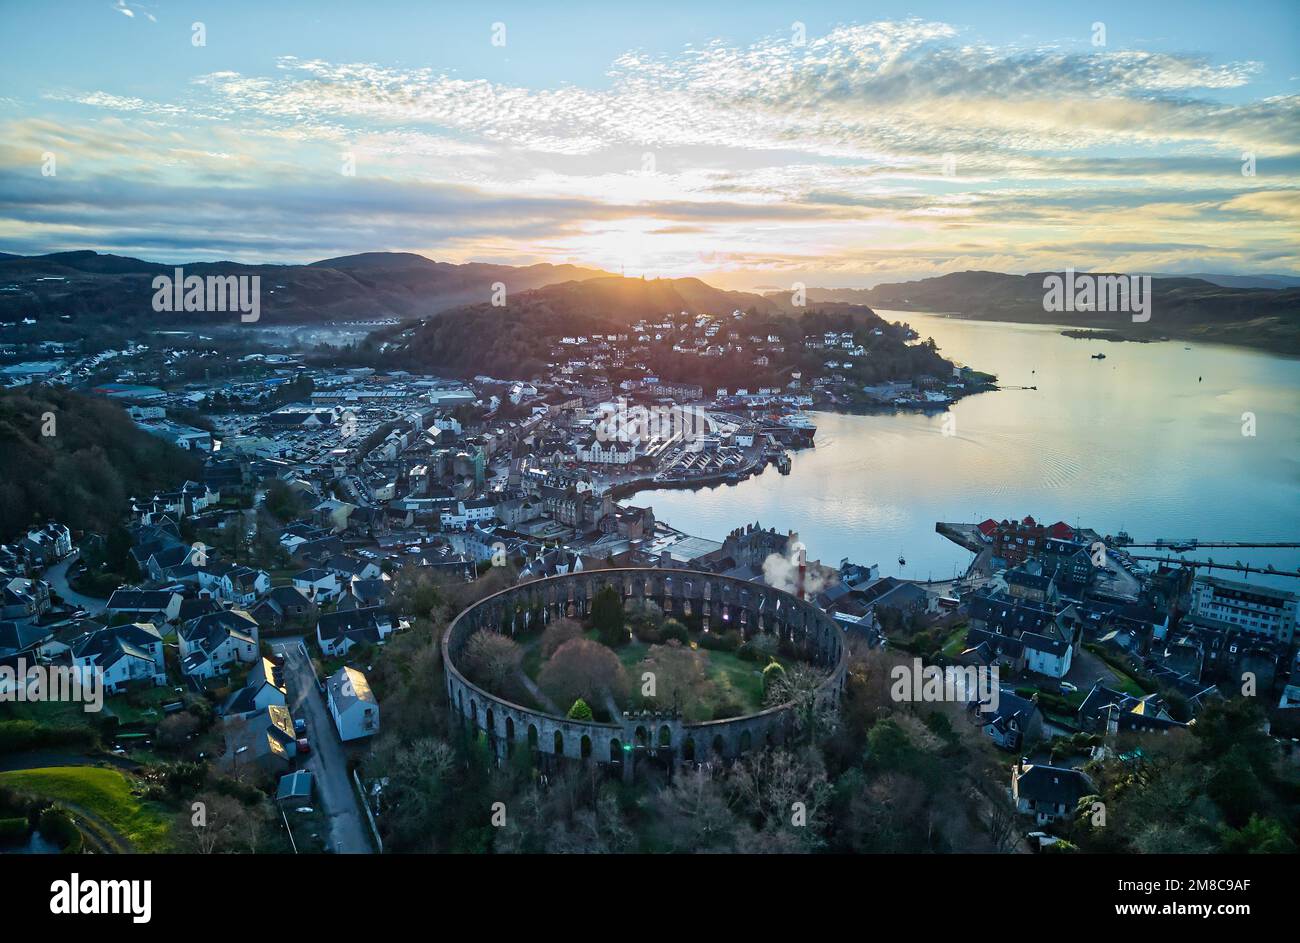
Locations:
{"points": [[803, 572]]}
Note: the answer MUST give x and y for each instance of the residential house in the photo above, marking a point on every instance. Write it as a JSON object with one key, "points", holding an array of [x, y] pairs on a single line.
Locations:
{"points": [[45, 546], [285, 606], [352, 704], [261, 743], [159, 606], [1014, 723], [1048, 793], [347, 568], [234, 583], [318, 585], [338, 632], [24, 598], [1108, 711], [124, 653], [209, 644], [19, 637], [265, 687]]}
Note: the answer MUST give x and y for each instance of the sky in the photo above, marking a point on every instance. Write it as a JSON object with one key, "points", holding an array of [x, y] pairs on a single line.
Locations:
{"points": [[751, 144]]}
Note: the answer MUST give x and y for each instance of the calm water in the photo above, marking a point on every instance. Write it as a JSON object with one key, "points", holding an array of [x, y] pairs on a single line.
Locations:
{"points": [[1131, 442]]}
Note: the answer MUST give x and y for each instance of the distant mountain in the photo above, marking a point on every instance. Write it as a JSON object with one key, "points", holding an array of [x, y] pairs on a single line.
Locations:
{"points": [[1181, 306], [99, 288], [1243, 281]]}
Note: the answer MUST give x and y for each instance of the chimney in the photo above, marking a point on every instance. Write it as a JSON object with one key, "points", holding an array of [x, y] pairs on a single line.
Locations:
{"points": [[803, 573]]}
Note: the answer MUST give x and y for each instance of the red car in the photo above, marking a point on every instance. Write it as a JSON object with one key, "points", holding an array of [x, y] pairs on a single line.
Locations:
{"points": [[304, 748]]}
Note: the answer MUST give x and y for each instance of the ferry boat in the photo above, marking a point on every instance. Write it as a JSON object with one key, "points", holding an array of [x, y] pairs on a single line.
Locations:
{"points": [[801, 424]]}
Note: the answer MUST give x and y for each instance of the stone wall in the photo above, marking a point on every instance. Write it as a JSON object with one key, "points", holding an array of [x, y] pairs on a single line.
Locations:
{"points": [[719, 602]]}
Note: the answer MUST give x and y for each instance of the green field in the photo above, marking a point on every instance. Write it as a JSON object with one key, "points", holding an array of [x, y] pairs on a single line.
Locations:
{"points": [[104, 794]]}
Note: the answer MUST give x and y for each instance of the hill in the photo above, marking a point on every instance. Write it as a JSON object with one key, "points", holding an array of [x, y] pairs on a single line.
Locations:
{"points": [[84, 474], [94, 288], [1181, 306], [512, 339]]}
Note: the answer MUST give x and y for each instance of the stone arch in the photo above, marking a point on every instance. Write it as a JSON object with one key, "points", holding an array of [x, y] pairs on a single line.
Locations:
{"points": [[688, 749], [719, 745], [559, 743], [746, 741], [642, 736], [615, 750], [532, 736], [584, 747], [665, 736], [510, 735]]}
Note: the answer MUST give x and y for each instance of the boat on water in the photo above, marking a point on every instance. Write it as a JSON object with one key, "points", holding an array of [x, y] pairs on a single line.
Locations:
{"points": [[1098, 356], [801, 426]]}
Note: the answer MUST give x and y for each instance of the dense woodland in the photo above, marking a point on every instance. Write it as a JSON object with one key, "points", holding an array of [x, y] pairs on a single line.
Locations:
{"points": [[84, 472]]}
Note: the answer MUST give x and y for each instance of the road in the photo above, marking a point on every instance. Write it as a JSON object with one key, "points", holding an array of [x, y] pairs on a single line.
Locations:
{"points": [[57, 577], [349, 832]]}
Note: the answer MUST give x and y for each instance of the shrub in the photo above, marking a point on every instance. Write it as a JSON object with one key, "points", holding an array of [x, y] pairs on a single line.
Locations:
{"points": [[674, 630], [58, 827], [12, 831], [579, 710], [771, 674], [721, 641]]}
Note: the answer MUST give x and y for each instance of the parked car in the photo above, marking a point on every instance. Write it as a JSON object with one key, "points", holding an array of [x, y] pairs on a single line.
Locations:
{"points": [[304, 748], [1068, 688], [300, 726]]}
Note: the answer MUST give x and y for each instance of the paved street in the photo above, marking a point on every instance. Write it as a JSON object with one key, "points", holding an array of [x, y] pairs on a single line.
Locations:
{"points": [[328, 763], [57, 577]]}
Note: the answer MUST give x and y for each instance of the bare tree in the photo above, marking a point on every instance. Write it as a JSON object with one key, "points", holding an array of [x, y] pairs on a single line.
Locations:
{"points": [[491, 659]]}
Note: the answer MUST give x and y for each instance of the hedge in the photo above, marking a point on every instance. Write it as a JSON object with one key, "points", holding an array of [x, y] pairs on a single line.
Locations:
{"points": [[13, 831], [58, 827], [17, 735]]}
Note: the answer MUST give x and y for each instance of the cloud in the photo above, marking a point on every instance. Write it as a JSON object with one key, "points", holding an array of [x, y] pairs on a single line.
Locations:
{"points": [[767, 157]]}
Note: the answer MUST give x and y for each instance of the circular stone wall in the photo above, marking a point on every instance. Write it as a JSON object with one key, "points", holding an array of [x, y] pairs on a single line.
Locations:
{"points": [[721, 603]]}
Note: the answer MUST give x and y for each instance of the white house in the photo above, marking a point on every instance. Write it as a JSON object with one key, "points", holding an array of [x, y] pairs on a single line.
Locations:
{"points": [[337, 632], [1047, 655], [352, 704], [612, 452], [318, 585], [240, 585], [124, 653], [210, 643]]}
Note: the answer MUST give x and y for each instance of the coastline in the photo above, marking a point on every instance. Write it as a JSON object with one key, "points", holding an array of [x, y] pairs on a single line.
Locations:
{"points": [[1266, 334]]}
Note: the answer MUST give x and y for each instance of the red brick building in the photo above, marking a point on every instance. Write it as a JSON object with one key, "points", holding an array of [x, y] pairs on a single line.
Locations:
{"points": [[1017, 541]]}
